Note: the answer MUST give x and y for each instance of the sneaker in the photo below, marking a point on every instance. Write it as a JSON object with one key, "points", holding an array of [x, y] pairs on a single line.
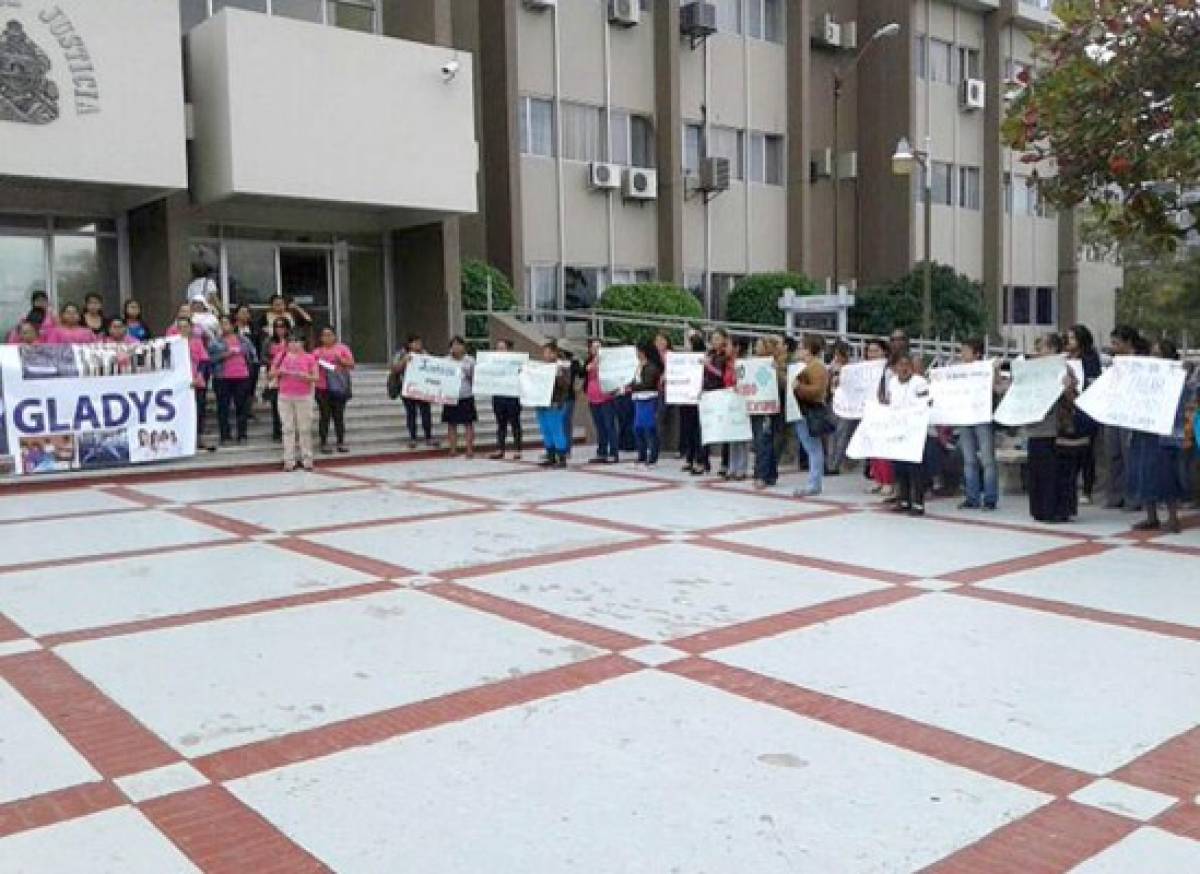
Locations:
{"points": [[496, 456], [597, 459], [916, 510], [343, 449], [968, 505], [561, 462], [516, 456], [898, 507], [548, 461], [1086, 500], [887, 492], [288, 468], [412, 444], [806, 492]]}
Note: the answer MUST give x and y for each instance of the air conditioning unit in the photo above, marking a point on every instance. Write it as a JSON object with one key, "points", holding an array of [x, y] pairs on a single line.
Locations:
{"points": [[972, 94], [827, 32], [820, 163], [848, 165], [714, 174], [640, 184], [604, 176], [850, 35], [540, 5], [698, 20], [626, 13]]}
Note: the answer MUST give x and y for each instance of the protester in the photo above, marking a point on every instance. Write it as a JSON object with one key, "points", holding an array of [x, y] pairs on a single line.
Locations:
{"points": [[603, 409], [296, 373], [981, 476], [27, 334], [1156, 475], [93, 317], [507, 411], [1082, 347], [39, 315], [736, 462], [551, 419], [1052, 470], [881, 471], [576, 374], [273, 350], [118, 332], [232, 357], [695, 459], [69, 329], [198, 356], [277, 308], [1122, 341], [413, 408], [334, 361], [243, 320], [843, 429], [766, 465], [463, 412], [811, 389], [719, 373], [135, 325], [904, 389], [666, 415], [204, 318], [644, 390]]}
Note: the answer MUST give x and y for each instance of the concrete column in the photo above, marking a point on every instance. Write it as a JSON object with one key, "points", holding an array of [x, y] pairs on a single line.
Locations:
{"points": [[426, 264], [669, 133], [1068, 269], [799, 102], [159, 267], [993, 168]]}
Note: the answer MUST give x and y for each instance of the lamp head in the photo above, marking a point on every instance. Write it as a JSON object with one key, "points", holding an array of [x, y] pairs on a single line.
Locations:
{"points": [[887, 31], [903, 158]]}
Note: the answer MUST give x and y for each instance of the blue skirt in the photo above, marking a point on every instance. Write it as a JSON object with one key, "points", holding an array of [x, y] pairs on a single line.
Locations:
{"points": [[1155, 474]]}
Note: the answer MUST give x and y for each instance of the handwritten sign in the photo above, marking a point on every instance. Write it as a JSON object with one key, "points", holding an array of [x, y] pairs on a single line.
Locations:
{"points": [[891, 432], [756, 382], [683, 378], [498, 374], [618, 367], [1036, 384], [723, 417], [436, 380], [792, 411], [962, 393], [537, 383], [857, 384], [1138, 393]]}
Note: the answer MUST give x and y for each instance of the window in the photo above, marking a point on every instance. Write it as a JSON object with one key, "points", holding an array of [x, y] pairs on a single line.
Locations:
{"points": [[968, 187], [349, 14], [765, 162], [631, 140], [920, 56], [582, 127], [543, 286], [693, 283], [305, 10], [1020, 305], [729, 16], [537, 126], [582, 286], [191, 13], [251, 5], [943, 184], [632, 277], [967, 65], [1044, 311], [352, 15], [1008, 194], [940, 53], [725, 142], [765, 20], [693, 148]]}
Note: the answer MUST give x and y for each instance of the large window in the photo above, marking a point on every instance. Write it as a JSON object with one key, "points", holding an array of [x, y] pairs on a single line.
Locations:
{"points": [[940, 54], [362, 15], [967, 64], [693, 148], [1020, 305], [1044, 306], [968, 188], [582, 132], [729, 15], [631, 140], [942, 184], [725, 142], [764, 20], [582, 286], [765, 159], [537, 126], [632, 276], [543, 286]]}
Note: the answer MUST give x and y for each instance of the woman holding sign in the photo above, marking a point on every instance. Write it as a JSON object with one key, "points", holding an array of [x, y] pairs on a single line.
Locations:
{"points": [[295, 372], [645, 403], [462, 413], [507, 411], [1155, 473], [603, 407]]}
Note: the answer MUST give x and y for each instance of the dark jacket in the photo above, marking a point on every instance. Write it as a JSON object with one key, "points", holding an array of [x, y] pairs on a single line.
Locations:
{"points": [[648, 379]]}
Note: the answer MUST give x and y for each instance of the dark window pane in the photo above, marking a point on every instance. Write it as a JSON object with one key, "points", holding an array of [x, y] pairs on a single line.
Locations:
{"points": [[1045, 306], [1021, 305]]}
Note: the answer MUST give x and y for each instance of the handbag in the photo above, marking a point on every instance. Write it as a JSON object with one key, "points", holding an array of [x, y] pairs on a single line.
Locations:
{"points": [[337, 383], [395, 385], [819, 419]]}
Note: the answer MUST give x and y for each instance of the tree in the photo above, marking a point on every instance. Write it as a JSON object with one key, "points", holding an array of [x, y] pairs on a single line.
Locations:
{"points": [[958, 306], [1115, 105], [648, 298], [1162, 297], [475, 278], [755, 300]]}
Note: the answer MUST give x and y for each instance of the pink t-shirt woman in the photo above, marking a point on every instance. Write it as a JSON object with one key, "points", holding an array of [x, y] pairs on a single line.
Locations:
{"points": [[338, 353], [292, 368], [63, 334]]}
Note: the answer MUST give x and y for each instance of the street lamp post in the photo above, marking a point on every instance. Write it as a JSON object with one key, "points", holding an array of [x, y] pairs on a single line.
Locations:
{"points": [[839, 79], [903, 161]]}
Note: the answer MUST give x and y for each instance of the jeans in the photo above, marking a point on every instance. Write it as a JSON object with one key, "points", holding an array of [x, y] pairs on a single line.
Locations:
{"points": [[739, 458], [816, 455], [838, 441], [330, 406], [623, 407], [604, 417], [568, 423], [413, 408], [645, 430], [233, 396], [551, 421], [766, 465], [508, 415], [1116, 447], [978, 446]]}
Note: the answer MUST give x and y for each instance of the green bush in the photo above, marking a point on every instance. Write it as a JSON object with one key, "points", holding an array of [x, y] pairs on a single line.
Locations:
{"points": [[475, 275], [959, 309], [755, 300], [651, 299]]}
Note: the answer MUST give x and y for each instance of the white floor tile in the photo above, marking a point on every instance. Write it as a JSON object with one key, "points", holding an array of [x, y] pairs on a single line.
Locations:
{"points": [[934, 585], [712, 783], [1014, 510], [34, 758], [215, 488], [16, 647], [671, 590], [1146, 851], [223, 684], [158, 782], [690, 509], [541, 485], [131, 589], [298, 512], [66, 502], [654, 655], [1077, 693], [1124, 799], [429, 469]]}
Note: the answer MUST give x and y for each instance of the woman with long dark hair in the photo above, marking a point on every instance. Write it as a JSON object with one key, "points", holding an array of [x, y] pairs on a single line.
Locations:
{"points": [[334, 363], [135, 323], [1155, 475], [1081, 347], [463, 411], [274, 347], [645, 389]]}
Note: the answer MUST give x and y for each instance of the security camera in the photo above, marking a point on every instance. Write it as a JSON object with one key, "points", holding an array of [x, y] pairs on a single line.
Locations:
{"points": [[449, 70]]}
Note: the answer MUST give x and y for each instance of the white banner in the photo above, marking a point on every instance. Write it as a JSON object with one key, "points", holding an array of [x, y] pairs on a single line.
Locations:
{"points": [[498, 374], [791, 406], [858, 383], [537, 383], [432, 379], [1138, 393], [757, 383], [618, 367], [684, 378], [961, 394], [1076, 366], [723, 417], [86, 407], [1036, 384], [890, 432]]}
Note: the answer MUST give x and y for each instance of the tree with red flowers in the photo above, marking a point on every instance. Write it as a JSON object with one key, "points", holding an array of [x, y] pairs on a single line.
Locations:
{"points": [[1115, 106]]}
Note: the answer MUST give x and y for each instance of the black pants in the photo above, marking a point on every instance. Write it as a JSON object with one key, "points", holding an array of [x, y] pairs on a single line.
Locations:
{"points": [[412, 409], [272, 395], [690, 438], [233, 396], [1052, 472], [331, 407], [624, 410], [1087, 463], [201, 410], [508, 415], [910, 484]]}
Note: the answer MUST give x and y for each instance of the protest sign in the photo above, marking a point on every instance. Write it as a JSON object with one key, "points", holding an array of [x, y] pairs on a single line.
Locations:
{"points": [[498, 374], [890, 432], [683, 378], [792, 411], [962, 394], [89, 406], [1138, 393], [618, 367], [1036, 384], [723, 417], [537, 383], [856, 385], [756, 382], [432, 379]]}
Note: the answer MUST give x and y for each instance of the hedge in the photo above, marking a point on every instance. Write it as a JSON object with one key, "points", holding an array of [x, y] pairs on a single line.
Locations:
{"points": [[959, 309], [755, 300], [652, 299], [475, 276]]}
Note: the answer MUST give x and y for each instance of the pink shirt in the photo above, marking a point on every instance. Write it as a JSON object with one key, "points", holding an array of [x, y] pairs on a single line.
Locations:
{"points": [[61, 334], [236, 366], [199, 355], [292, 368], [337, 353], [595, 394]]}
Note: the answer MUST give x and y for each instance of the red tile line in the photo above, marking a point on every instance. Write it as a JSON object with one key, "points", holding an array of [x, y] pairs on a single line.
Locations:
{"points": [[222, 835], [236, 527], [1172, 768], [543, 558], [74, 514], [1176, 548], [379, 523], [752, 524], [434, 492], [634, 491], [1024, 563], [908, 734], [10, 631], [593, 521], [143, 499], [1051, 840], [59, 805], [77, 560], [408, 718], [363, 564], [1183, 820], [806, 561], [994, 524]]}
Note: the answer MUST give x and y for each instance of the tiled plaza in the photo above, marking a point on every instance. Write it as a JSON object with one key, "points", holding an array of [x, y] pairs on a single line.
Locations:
{"points": [[441, 666]]}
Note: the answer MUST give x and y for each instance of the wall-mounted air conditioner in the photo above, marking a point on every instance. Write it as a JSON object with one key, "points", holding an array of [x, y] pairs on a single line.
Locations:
{"points": [[714, 174], [625, 13], [848, 165], [850, 35], [605, 177], [827, 32], [972, 94], [540, 5], [640, 184], [820, 163], [698, 20]]}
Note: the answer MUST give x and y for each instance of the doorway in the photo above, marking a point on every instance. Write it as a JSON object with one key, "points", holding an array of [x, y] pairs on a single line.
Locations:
{"points": [[305, 276]]}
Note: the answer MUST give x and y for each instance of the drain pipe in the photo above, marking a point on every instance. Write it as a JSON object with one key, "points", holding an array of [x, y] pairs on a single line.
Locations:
{"points": [[558, 173]]}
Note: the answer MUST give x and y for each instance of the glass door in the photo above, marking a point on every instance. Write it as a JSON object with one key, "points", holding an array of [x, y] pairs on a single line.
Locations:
{"points": [[305, 276]]}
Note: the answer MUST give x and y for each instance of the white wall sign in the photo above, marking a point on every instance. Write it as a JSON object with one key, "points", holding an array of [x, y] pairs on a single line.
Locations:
{"points": [[891, 432], [1138, 393], [723, 417], [537, 383], [757, 383], [1036, 384], [618, 367], [684, 378], [961, 394], [498, 374], [856, 385], [432, 379]]}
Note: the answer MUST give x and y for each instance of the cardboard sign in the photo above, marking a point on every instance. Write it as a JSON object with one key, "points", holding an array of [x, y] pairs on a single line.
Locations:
{"points": [[498, 374], [792, 411], [618, 367], [1138, 393], [723, 417], [962, 393], [1036, 384], [436, 380], [537, 383], [858, 383], [756, 382], [891, 432], [683, 378]]}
